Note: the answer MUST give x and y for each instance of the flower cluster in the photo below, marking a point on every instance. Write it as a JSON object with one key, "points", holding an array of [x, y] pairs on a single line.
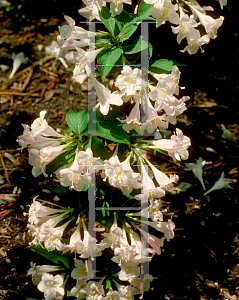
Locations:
{"points": [[102, 161], [177, 14]]}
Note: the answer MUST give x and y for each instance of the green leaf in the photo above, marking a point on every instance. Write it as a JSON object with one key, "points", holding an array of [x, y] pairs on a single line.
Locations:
{"points": [[144, 9], [95, 116], [108, 58], [99, 149], [163, 65], [103, 209], [107, 19], [131, 27], [121, 20], [105, 39], [66, 129], [60, 161], [60, 190], [107, 284], [109, 131], [52, 256], [85, 187], [136, 44], [77, 121]]}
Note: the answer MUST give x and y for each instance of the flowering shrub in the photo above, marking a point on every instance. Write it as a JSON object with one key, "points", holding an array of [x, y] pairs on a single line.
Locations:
{"points": [[109, 191]]}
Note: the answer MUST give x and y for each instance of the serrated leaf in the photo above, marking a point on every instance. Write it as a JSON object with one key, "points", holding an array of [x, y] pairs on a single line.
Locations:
{"points": [[144, 9], [109, 131], [107, 59], [52, 256], [77, 121], [107, 19], [163, 65]]}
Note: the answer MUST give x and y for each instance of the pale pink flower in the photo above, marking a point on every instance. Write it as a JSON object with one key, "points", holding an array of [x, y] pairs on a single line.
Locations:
{"points": [[154, 120], [130, 81], [53, 235], [37, 271], [93, 290], [186, 28], [120, 175], [49, 153], [164, 11], [75, 244], [36, 162], [149, 191], [82, 59], [82, 270], [51, 286], [128, 292], [116, 6], [91, 11], [194, 45], [124, 254], [165, 227], [113, 238], [40, 142], [143, 284], [133, 121], [176, 146], [211, 25], [129, 272], [86, 161], [69, 44], [46, 232], [163, 94], [75, 291], [112, 295], [90, 247], [105, 98], [223, 3], [154, 242], [40, 126], [73, 176], [71, 31], [174, 110], [162, 178], [26, 138], [39, 213]]}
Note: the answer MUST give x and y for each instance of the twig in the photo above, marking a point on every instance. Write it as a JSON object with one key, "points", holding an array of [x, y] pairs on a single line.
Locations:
{"points": [[211, 251], [42, 95], [44, 59], [48, 72], [13, 93], [5, 170], [50, 203], [28, 78], [17, 94]]}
